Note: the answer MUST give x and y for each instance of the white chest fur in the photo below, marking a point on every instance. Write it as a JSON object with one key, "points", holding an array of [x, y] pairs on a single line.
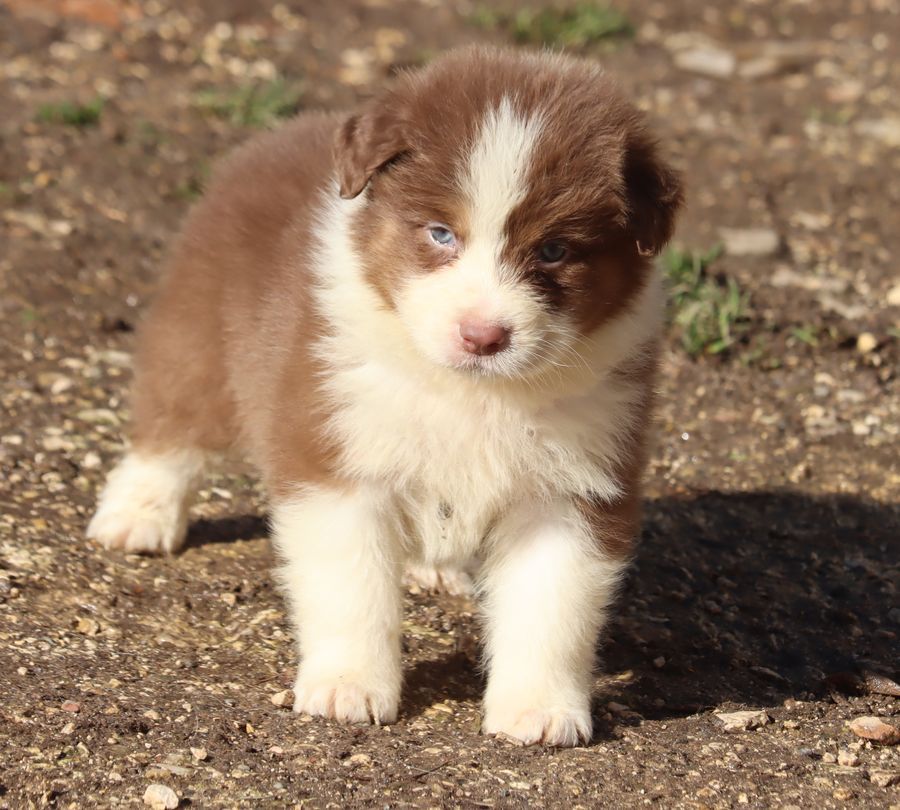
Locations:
{"points": [[456, 456]]}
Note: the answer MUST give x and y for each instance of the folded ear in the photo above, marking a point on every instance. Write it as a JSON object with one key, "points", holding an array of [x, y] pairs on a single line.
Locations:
{"points": [[654, 192], [365, 142]]}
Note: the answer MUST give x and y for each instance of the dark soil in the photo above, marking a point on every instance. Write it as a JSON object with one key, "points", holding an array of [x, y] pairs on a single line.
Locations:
{"points": [[767, 575]]}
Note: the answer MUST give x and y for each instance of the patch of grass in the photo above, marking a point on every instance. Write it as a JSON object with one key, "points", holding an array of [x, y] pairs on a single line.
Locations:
{"points": [[149, 134], [807, 334], [577, 26], [708, 311], [71, 114], [831, 116], [254, 105], [29, 315]]}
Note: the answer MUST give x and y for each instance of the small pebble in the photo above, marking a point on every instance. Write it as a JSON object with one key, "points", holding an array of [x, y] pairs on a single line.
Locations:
{"points": [[160, 797], [750, 241], [71, 706], [842, 794], [91, 461], [707, 60], [884, 778], [848, 758], [743, 721], [87, 627], [866, 342], [875, 729], [361, 760], [282, 699], [199, 754]]}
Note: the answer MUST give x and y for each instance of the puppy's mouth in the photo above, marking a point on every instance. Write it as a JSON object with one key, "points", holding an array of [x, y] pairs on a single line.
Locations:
{"points": [[512, 362], [481, 366]]}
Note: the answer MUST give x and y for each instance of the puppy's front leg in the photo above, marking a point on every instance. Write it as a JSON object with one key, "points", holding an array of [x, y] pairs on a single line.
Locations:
{"points": [[342, 581], [547, 585]]}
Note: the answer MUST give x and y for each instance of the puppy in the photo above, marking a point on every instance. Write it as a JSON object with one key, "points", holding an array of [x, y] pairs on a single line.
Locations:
{"points": [[433, 325]]}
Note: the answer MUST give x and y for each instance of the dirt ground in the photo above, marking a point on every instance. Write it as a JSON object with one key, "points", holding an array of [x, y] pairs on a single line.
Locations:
{"points": [[767, 574]]}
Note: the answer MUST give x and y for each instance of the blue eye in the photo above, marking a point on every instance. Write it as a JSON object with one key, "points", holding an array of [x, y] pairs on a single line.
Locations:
{"points": [[442, 235], [552, 252]]}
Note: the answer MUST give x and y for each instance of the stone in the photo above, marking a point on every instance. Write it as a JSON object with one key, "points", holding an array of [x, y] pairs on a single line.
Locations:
{"points": [[750, 241], [764, 59], [91, 461], [849, 759], [358, 760], [160, 797], [87, 627], [744, 721], [876, 730], [884, 778], [842, 794], [283, 699], [866, 343], [886, 130], [707, 60]]}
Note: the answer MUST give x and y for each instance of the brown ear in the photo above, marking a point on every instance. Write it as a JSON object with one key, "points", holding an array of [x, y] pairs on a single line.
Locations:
{"points": [[364, 143], [654, 195]]}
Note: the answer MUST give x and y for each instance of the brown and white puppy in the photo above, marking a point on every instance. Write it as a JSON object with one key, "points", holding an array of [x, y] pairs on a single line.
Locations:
{"points": [[433, 325]]}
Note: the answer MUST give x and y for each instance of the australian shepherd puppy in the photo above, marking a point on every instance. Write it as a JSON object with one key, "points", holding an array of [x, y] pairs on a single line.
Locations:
{"points": [[433, 325]]}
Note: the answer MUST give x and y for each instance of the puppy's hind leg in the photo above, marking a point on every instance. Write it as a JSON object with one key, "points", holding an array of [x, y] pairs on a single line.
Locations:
{"points": [[182, 414], [143, 507]]}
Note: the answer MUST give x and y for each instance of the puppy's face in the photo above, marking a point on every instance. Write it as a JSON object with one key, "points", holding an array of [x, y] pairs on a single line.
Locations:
{"points": [[511, 204]]}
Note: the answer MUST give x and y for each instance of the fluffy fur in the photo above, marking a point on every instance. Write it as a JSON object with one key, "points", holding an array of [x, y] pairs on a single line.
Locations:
{"points": [[312, 315]]}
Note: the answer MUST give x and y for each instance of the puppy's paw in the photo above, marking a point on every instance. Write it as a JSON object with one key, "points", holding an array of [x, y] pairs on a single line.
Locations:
{"points": [[138, 528], [143, 507], [562, 727], [438, 579], [345, 700]]}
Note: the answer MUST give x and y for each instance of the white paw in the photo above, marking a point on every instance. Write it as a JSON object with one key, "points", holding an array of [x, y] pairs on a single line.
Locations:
{"points": [[438, 579], [345, 700], [553, 726], [143, 507], [140, 528]]}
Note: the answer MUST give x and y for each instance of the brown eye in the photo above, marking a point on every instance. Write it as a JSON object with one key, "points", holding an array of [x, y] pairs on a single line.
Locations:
{"points": [[552, 252]]}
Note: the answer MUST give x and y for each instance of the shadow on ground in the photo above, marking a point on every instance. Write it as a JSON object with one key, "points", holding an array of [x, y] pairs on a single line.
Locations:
{"points": [[754, 598], [226, 530]]}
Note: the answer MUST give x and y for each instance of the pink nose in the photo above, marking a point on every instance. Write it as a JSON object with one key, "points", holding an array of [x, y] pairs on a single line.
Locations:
{"points": [[483, 338]]}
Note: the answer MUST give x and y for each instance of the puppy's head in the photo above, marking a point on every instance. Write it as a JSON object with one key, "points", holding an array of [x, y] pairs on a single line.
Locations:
{"points": [[512, 203]]}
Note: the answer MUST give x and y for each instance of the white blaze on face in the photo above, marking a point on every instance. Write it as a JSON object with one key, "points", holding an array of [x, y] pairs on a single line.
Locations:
{"points": [[477, 285], [494, 183]]}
